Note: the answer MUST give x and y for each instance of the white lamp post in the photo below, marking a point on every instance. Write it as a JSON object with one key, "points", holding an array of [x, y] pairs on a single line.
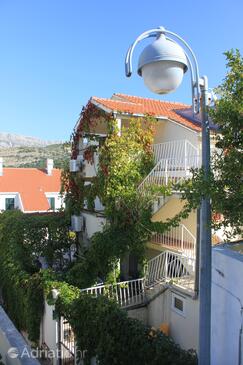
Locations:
{"points": [[162, 65]]}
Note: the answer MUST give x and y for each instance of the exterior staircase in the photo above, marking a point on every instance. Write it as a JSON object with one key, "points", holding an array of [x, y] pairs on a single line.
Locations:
{"points": [[176, 265], [173, 163], [166, 269], [179, 239]]}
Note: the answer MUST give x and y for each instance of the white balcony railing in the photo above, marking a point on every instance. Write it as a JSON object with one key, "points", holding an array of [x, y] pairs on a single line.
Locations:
{"points": [[167, 267], [170, 171], [179, 239], [174, 160], [125, 293], [174, 149]]}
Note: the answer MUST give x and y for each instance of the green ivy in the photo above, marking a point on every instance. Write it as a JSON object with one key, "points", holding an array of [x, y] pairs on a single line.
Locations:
{"points": [[22, 239], [124, 161], [103, 330], [224, 184]]}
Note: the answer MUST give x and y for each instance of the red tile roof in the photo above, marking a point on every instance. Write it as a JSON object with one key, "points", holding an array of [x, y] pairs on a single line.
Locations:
{"points": [[31, 184], [138, 105]]}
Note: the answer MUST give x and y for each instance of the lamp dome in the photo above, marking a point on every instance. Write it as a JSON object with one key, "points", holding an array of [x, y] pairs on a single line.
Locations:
{"points": [[162, 65]]}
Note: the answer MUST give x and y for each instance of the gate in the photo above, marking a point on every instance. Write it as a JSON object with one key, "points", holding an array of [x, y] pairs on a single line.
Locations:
{"points": [[66, 343]]}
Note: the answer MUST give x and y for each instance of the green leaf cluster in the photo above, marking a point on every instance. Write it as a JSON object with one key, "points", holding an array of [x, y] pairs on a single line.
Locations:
{"points": [[224, 184], [23, 238], [103, 330]]}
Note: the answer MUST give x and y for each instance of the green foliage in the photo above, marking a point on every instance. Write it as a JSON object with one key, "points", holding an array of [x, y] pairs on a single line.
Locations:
{"points": [[102, 329], [36, 156], [23, 238], [123, 162], [224, 185]]}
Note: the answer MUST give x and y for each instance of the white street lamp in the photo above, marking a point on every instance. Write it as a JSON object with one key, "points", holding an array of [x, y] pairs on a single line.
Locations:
{"points": [[162, 65]]}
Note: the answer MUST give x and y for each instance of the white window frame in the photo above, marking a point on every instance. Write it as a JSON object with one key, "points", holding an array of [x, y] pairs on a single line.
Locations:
{"points": [[173, 307]]}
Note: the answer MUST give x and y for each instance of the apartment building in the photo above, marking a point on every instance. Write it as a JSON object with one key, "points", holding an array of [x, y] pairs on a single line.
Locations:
{"points": [[172, 255]]}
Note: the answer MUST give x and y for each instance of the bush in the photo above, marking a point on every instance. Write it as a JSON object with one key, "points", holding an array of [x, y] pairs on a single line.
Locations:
{"points": [[104, 330]]}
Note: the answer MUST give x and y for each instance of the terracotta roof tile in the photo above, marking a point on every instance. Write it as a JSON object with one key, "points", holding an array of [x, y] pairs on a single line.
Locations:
{"points": [[138, 105], [31, 184]]}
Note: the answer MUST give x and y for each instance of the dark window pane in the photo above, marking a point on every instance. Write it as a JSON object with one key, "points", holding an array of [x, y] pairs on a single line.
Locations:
{"points": [[51, 202], [178, 303], [9, 203]]}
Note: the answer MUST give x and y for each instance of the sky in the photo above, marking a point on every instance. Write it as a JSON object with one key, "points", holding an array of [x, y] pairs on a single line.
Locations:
{"points": [[56, 54]]}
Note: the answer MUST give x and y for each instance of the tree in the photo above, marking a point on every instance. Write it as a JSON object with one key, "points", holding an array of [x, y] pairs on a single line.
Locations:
{"points": [[224, 185]]}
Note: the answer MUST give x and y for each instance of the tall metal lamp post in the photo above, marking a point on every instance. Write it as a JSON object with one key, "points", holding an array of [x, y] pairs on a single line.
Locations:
{"points": [[162, 65]]}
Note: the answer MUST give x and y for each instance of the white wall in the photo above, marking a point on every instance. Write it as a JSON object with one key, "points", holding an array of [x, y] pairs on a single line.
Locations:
{"points": [[58, 199], [91, 169], [139, 313], [182, 328], [170, 131], [48, 330], [227, 302], [94, 223], [17, 202]]}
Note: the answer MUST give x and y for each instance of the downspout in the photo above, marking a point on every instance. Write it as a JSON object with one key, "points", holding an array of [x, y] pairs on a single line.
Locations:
{"points": [[196, 284]]}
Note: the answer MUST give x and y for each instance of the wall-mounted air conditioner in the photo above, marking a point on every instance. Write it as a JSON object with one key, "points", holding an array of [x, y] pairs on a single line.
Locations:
{"points": [[74, 165], [77, 223]]}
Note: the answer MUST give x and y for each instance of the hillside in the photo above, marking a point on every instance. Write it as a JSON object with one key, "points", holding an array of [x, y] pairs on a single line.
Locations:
{"points": [[16, 140], [35, 156]]}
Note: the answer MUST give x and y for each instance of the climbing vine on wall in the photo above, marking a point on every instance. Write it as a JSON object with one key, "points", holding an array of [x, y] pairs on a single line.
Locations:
{"points": [[23, 239], [125, 158]]}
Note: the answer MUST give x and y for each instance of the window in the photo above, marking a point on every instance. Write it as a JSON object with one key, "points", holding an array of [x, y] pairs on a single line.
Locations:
{"points": [[51, 202], [178, 304], [9, 203]]}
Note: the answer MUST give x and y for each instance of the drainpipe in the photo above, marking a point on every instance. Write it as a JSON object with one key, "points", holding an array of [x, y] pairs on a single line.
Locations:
{"points": [[196, 284]]}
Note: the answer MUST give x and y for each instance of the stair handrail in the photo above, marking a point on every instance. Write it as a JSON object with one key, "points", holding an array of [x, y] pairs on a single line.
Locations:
{"points": [[177, 234], [125, 293], [173, 148]]}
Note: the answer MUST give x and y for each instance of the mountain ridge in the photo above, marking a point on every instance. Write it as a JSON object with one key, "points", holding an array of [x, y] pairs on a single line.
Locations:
{"points": [[10, 140]]}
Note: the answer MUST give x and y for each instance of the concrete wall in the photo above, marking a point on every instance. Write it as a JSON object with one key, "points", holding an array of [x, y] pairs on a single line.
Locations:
{"points": [[139, 313], [13, 348], [227, 304], [182, 328], [173, 207], [48, 330], [91, 169], [170, 131], [94, 223]]}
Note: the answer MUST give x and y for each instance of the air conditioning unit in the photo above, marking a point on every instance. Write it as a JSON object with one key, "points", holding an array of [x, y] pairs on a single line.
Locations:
{"points": [[80, 160], [74, 165], [77, 223]]}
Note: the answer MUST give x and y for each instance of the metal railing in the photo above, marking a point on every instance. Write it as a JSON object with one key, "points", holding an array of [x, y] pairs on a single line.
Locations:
{"points": [[170, 171], [167, 267], [175, 149], [125, 293], [171, 267], [66, 342], [177, 238]]}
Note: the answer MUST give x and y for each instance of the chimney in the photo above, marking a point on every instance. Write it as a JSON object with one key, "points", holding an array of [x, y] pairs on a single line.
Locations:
{"points": [[1, 166], [49, 166]]}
